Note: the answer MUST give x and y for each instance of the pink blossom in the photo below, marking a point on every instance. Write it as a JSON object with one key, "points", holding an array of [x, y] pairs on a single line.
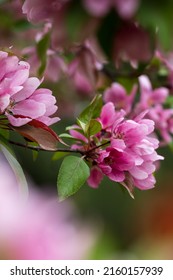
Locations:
{"points": [[119, 97], [81, 140], [149, 96], [167, 60], [95, 178], [42, 10], [153, 100], [163, 119], [20, 100], [52, 12], [39, 227], [82, 70], [109, 117], [55, 66], [131, 152], [126, 9], [124, 150], [97, 7]]}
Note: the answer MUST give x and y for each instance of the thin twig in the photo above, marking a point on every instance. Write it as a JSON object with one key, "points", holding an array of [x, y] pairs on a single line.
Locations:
{"points": [[38, 148]]}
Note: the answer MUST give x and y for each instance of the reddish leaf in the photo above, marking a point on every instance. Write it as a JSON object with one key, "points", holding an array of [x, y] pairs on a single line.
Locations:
{"points": [[40, 133]]}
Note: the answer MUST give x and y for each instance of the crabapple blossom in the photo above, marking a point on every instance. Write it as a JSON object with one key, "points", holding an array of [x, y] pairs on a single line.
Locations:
{"points": [[83, 69], [149, 96], [99, 8], [153, 100], [20, 99], [95, 177], [118, 96], [126, 152], [163, 119], [42, 11], [55, 67], [167, 61], [131, 152]]}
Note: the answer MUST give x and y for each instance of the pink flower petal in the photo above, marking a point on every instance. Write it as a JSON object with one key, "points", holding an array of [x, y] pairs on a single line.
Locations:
{"points": [[107, 116], [29, 108], [28, 88], [4, 102], [95, 177], [17, 121], [138, 173]]}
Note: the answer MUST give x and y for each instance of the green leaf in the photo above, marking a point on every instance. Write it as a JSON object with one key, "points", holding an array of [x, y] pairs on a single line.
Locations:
{"points": [[16, 167], [66, 135], [4, 133], [70, 137], [82, 125], [42, 47], [72, 175], [72, 127], [94, 127], [59, 155], [92, 111]]}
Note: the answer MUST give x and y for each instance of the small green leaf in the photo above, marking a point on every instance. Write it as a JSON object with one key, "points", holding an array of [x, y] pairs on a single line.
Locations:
{"points": [[94, 127], [73, 127], [16, 167], [82, 125], [66, 135], [92, 111], [72, 175]]}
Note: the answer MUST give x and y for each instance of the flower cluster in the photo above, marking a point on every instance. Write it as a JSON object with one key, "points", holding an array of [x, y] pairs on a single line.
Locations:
{"points": [[152, 100], [126, 152], [21, 101]]}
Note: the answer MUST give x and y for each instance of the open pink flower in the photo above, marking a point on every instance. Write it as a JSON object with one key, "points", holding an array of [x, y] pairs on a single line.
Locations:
{"points": [[119, 97], [131, 153], [20, 100], [163, 119], [153, 100], [150, 96]]}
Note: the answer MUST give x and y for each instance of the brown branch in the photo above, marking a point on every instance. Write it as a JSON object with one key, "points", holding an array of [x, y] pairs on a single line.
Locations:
{"points": [[38, 148]]}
